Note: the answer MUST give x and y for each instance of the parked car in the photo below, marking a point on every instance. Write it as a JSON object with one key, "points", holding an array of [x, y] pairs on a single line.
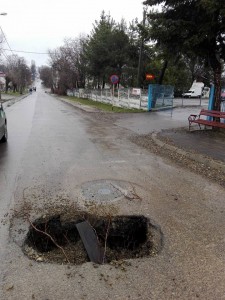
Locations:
{"points": [[3, 125]]}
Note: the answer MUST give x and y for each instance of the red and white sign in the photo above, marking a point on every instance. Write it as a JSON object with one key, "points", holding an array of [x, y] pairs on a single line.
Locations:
{"points": [[114, 79], [136, 92]]}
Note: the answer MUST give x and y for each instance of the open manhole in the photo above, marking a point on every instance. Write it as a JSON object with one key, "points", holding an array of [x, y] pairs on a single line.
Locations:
{"points": [[84, 239]]}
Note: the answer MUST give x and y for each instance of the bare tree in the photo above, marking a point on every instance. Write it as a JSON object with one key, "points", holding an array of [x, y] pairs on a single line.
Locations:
{"points": [[68, 65], [18, 73]]}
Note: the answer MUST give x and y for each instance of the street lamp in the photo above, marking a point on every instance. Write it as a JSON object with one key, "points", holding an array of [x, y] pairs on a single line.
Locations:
{"points": [[2, 14]]}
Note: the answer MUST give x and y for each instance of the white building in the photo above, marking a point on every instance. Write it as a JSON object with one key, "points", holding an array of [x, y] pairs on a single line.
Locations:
{"points": [[2, 81]]}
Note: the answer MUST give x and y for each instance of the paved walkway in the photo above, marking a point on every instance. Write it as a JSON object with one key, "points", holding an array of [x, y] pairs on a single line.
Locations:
{"points": [[6, 97], [205, 142], [8, 100]]}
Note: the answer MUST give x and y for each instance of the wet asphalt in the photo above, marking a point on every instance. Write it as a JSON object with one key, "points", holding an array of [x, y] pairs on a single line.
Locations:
{"points": [[54, 150]]}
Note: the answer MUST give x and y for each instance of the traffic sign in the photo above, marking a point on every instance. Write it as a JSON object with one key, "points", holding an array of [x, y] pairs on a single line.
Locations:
{"points": [[114, 79], [149, 76]]}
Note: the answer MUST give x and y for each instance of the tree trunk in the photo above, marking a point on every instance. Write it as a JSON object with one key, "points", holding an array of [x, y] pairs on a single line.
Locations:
{"points": [[162, 73], [103, 82], [217, 82], [217, 70]]}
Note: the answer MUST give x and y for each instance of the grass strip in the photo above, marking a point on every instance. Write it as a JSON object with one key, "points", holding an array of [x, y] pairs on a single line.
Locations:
{"points": [[103, 106]]}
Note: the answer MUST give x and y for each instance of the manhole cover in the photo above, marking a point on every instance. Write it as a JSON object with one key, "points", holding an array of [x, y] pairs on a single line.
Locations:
{"points": [[104, 190]]}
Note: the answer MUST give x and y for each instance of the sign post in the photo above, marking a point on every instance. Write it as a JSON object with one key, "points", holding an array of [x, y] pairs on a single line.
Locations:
{"points": [[114, 80]]}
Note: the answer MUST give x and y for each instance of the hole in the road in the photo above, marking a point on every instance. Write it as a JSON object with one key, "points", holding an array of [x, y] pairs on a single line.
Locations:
{"points": [[119, 237]]}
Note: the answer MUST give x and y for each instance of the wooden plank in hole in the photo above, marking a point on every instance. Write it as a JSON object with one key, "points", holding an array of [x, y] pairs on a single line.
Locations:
{"points": [[90, 241]]}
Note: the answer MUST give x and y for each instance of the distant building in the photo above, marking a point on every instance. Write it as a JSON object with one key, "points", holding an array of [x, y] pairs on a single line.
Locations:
{"points": [[2, 80]]}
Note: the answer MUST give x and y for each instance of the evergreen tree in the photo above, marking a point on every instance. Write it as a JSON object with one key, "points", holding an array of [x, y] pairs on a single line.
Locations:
{"points": [[197, 26], [107, 50]]}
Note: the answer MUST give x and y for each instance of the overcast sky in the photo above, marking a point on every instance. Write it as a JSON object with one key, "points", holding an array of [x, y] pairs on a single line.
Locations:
{"points": [[40, 25]]}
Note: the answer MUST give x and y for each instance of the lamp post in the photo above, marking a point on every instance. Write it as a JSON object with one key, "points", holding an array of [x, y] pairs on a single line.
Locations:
{"points": [[140, 63], [2, 14]]}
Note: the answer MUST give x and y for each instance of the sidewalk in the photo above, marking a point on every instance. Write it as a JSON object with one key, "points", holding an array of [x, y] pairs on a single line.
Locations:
{"points": [[8, 100], [199, 151], [205, 142], [6, 97]]}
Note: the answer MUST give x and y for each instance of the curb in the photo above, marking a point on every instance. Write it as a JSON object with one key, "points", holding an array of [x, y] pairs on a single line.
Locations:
{"points": [[209, 162], [12, 101], [79, 105]]}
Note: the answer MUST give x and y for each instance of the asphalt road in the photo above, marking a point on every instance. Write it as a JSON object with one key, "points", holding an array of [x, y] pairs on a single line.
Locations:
{"points": [[54, 151]]}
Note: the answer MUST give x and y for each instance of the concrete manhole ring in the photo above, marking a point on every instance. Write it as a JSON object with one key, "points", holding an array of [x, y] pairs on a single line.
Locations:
{"points": [[105, 190]]}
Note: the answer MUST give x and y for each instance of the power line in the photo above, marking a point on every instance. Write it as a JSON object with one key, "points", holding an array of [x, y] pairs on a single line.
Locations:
{"points": [[6, 57], [32, 52], [6, 40]]}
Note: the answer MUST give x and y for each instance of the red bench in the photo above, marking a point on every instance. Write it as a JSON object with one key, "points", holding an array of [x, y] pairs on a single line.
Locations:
{"points": [[201, 118]]}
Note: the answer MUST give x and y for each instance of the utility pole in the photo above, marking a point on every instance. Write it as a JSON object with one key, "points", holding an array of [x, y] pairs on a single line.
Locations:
{"points": [[2, 14], [140, 61]]}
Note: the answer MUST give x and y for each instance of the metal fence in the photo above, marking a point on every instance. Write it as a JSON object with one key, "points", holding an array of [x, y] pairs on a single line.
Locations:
{"points": [[160, 96], [157, 97], [128, 98]]}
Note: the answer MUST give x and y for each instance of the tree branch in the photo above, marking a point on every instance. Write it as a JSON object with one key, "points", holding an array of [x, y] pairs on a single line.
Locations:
{"points": [[51, 238]]}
